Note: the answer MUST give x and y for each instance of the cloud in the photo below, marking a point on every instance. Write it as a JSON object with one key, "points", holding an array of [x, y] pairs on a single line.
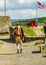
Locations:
{"points": [[21, 8], [26, 14], [1, 4], [19, 4], [42, 0], [21, 1], [41, 13], [1, 13]]}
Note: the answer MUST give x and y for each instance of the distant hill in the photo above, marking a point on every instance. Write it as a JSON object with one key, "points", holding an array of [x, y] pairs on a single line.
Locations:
{"points": [[15, 20]]}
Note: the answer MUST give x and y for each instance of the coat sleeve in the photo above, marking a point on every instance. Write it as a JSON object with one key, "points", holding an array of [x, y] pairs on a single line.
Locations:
{"points": [[14, 31], [22, 32]]}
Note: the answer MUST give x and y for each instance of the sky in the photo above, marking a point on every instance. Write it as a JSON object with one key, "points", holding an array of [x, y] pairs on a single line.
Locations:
{"points": [[22, 9]]}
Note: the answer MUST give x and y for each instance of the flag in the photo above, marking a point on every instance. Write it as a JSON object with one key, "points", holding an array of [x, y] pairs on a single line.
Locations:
{"points": [[41, 6]]}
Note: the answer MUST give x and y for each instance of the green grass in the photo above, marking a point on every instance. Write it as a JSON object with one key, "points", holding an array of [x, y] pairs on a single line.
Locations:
{"points": [[4, 34], [29, 31], [42, 30]]}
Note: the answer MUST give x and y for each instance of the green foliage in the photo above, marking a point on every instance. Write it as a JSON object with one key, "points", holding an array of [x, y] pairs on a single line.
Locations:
{"points": [[24, 22], [13, 24], [42, 20]]}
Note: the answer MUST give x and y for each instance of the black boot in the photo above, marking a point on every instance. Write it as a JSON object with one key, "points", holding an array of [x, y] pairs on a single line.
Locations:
{"points": [[20, 50], [17, 51]]}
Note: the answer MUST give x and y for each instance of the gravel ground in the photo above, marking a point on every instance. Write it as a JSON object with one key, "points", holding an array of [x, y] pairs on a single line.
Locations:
{"points": [[8, 55]]}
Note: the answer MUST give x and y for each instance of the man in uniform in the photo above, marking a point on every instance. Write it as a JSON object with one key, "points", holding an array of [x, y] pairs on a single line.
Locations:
{"points": [[19, 37]]}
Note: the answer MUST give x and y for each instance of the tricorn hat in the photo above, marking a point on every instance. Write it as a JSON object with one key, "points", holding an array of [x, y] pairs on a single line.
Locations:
{"points": [[17, 24]]}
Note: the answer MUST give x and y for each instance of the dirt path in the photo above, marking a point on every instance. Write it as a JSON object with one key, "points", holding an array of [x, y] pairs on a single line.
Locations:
{"points": [[8, 55]]}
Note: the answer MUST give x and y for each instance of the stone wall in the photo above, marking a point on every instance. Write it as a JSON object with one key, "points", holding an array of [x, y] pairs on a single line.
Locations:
{"points": [[4, 24]]}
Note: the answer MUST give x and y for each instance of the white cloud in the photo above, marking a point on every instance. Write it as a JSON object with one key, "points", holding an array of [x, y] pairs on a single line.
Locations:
{"points": [[1, 13], [21, 1], [26, 13], [42, 0], [41, 13], [19, 4], [1, 3], [22, 13], [30, 1], [25, 1], [21, 8]]}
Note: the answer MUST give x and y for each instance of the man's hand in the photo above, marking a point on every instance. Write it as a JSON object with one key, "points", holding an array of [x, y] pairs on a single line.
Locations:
{"points": [[23, 39]]}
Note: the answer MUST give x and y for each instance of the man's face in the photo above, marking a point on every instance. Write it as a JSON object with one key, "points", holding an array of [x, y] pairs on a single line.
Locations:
{"points": [[18, 26]]}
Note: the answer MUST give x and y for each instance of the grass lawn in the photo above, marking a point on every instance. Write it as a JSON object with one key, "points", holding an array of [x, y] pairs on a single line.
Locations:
{"points": [[4, 34], [42, 30], [29, 31]]}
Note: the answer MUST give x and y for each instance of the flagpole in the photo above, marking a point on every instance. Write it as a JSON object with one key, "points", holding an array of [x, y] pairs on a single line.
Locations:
{"points": [[37, 12], [5, 7]]}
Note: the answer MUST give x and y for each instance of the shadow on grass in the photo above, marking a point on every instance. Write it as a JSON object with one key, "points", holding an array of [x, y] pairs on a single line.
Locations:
{"points": [[12, 40], [26, 39], [8, 40]]}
